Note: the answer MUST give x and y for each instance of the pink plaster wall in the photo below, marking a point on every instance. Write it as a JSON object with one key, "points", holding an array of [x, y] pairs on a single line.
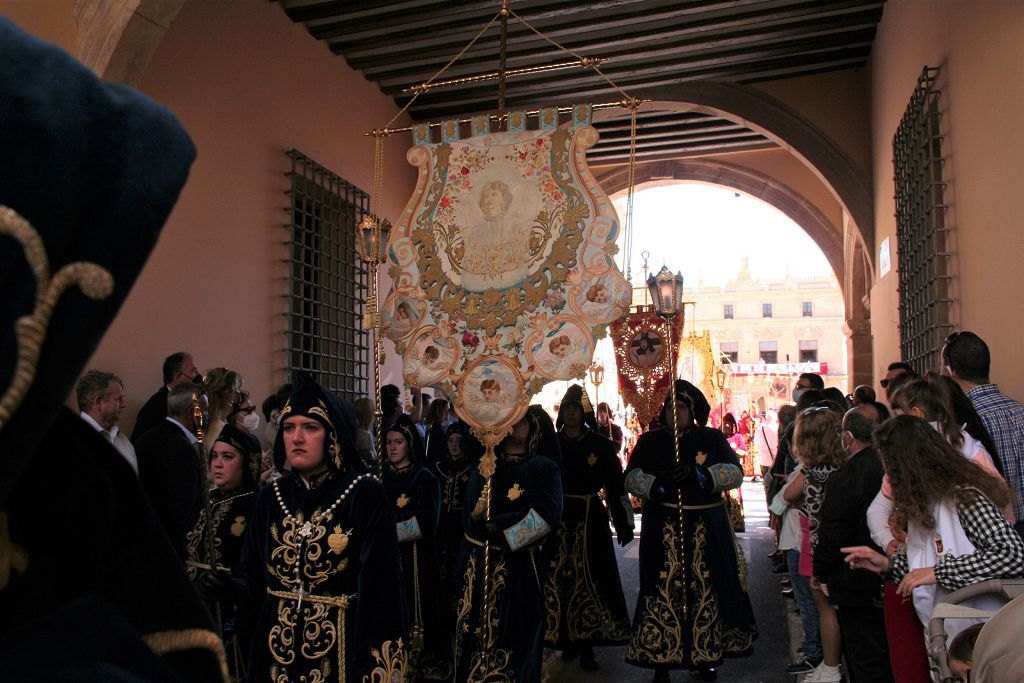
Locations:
{"points": [[248, 84], [980, 47], [51, 20]]}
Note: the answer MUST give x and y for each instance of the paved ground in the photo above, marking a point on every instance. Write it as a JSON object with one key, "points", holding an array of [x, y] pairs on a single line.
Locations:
{"points": [[776, 618]]}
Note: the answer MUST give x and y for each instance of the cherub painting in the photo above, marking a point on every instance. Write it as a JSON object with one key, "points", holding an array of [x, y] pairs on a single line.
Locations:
{"points": [[428, 360], [401, 319], [601, 299], [561, 352], [489, 392]]}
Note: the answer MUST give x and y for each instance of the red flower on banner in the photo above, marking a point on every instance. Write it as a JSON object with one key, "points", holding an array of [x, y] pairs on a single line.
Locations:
{"points": [[446, 202], [470, 339], [465, 171]]}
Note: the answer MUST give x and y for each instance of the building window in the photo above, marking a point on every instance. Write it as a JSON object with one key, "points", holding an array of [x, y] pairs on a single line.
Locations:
{"points": [[809, 351], [328, 282], [727, 311], [766, 310], [769, 351], [730, 352], [808, 309], [921, 230]]}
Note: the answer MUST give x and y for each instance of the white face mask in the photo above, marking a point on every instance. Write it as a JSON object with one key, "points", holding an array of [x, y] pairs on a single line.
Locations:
{"points": [[251, 421]]}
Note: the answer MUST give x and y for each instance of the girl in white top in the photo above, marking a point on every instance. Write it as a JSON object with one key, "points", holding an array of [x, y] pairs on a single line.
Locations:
{"points": [[929, 399], [956, 535]]}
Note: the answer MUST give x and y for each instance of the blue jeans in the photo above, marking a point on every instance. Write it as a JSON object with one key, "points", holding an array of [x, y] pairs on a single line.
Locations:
{"points": [[811, 643]]}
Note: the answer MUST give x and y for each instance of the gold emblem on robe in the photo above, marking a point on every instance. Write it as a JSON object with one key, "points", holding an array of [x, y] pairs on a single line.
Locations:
{"points": [[402, 501], [591, 459], [238, 528], [701, 457], [338, 540], [515, 492]]}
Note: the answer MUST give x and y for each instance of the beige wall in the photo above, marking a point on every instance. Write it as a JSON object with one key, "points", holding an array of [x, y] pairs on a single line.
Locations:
{"points": [[837, 103], [980, 47], [248, 85]]}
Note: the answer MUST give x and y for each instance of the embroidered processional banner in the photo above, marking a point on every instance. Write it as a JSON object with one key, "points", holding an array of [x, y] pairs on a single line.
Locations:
{"points": [[642, 358], [503, 265]]}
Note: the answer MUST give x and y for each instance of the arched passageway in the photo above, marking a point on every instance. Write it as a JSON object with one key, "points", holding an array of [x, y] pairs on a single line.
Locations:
{"points": [[847, 243]]}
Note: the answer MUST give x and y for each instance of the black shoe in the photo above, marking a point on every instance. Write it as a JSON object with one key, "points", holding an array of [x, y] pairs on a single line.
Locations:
{"points": [[570, 653], [707, 673], [661, 677], [805, 665], [780, 569], [588, 662]]}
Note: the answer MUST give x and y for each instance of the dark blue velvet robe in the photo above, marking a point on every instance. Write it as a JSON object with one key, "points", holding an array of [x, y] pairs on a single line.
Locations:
{"points": [[351, 556], [583, 593], [500, 636], [415, 498], [454, 480], [708, 576]]}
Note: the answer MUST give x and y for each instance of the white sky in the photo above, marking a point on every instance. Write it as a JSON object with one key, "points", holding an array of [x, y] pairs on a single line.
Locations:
{"points": [[705, 230]]}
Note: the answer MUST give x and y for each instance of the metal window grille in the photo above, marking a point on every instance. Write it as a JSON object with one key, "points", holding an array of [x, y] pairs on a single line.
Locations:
{"points": [[766, 310], [327, 279], [808, 309], [921, 231], [727, 311]]}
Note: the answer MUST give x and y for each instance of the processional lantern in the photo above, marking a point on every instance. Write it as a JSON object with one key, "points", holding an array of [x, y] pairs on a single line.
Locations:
{"points": [[666, 292]]}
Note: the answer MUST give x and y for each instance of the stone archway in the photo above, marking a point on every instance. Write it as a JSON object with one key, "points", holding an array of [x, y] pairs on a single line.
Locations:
{"points": [[849, 248], [117, 40], [827, 236]]}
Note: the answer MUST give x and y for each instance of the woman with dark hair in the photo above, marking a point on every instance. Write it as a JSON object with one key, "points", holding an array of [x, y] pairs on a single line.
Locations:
{"points": [[956, 534], [415, 497], [235, 462], [500, 634], [321, 555], [968, 418], [930, 399], [453, 472], [693, 608]]}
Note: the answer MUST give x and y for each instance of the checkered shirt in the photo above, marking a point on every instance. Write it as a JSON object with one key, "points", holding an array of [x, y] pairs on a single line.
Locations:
{"points": [[999, 551], [1004, 419]]}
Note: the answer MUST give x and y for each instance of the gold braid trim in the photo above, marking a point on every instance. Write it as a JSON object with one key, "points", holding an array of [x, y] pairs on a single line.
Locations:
{"points": [[165, 642], [94, 281]]}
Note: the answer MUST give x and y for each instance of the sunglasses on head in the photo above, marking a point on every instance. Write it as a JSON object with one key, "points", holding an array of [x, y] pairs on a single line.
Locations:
{"points": [[885, 383]]}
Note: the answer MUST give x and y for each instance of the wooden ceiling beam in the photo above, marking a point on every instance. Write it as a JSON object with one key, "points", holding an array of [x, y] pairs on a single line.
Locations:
{"points": [[585, 32]]}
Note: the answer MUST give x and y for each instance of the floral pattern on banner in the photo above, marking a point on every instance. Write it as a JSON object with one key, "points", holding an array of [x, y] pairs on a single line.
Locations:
{"points": [[503, 269], [641, 355]]}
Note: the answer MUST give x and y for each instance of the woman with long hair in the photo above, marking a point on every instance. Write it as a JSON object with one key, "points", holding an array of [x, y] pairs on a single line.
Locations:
{"points": [[223, 390], [956, 534], [415, 498], [819, 452], [930, 399]]}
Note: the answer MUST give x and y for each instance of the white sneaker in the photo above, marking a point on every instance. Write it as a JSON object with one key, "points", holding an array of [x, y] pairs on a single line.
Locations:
{"points": [[824, 674]]}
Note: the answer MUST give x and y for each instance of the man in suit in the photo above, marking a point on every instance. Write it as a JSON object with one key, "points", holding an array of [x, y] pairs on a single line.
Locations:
{"points": [[169, 466], [100, 397], [857, 593], [179, 368]]}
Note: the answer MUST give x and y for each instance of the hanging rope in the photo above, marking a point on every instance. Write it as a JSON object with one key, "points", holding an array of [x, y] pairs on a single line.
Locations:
{"points": [[422, 88]]}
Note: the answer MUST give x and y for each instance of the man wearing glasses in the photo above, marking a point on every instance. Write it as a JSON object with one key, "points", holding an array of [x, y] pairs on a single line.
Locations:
{"points": [[179, 368], [894, 371], [965, 358]]}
